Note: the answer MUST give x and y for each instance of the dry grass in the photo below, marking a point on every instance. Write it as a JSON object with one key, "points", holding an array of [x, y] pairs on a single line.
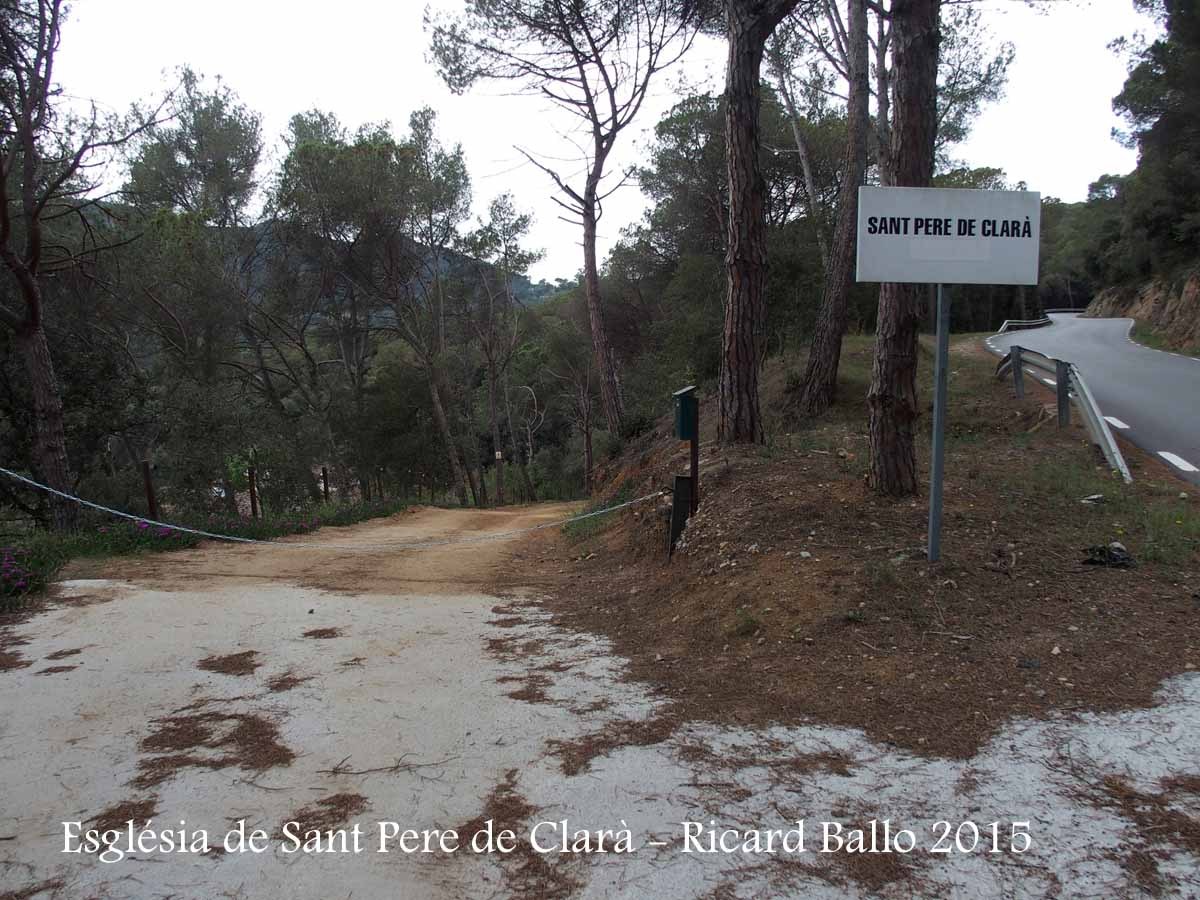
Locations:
{"points": [[10, 655], [242, 740], [115, 817], [51, 886], [323, 634], [533, 689], [324, 814], [286, 681], [54, 670], [576, 755], [244, 663], [527, 873], [63, 654], [799, 595]]}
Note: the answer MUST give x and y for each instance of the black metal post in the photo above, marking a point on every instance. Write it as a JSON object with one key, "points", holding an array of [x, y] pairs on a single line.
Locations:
{"points": [[695, 457], [1062, 387], [940, 367]]}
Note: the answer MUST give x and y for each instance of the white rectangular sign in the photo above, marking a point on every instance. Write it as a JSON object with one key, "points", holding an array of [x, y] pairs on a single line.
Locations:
{"points": [[948, 235]]}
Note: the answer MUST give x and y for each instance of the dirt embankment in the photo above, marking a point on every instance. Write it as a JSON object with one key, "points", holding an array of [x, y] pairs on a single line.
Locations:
{"points": [[1171, 309], [797, 594]]}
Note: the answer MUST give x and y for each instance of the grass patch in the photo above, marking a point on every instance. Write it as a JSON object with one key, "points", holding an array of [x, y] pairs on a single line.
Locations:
{"points": [[586, 528], [1146, 335], [1149, 519], [30, 560]]}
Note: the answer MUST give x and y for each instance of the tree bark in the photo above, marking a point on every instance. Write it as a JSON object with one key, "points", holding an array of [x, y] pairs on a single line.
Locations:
{"points": [[749, 25], [530, 495], [494, 414], [606, 363], [892, 398], [820, 375], [50, 442], [883, 106], [585, 407], [812, 206], [443, 426]]}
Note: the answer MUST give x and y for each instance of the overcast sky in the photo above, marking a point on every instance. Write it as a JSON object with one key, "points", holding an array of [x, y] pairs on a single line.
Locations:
{"points": [[364, 60]]}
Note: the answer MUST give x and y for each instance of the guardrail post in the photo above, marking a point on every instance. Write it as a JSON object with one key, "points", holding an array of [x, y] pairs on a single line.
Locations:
{"points": [[1062, 380], [1017, 370]]}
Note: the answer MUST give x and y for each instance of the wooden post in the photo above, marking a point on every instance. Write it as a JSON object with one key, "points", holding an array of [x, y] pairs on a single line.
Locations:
{"points": [[151, 499], [325, 483], [252, 475], [1017, 373]]}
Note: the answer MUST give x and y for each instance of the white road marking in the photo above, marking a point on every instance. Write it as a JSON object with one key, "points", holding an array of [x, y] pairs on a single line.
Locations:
{"points": [[1178, 461], [1115, 422], [1046, 381]]}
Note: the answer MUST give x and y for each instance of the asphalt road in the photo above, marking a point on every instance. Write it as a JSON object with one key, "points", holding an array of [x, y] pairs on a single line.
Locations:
{"points": [[1151, 397]]}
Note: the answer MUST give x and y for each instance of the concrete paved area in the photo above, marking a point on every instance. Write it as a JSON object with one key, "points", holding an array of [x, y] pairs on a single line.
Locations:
{"points": [[438, 704], [1151, 397]]}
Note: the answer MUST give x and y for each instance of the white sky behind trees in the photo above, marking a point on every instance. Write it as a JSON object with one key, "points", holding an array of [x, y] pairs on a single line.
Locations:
{"points": [[365, 61]]}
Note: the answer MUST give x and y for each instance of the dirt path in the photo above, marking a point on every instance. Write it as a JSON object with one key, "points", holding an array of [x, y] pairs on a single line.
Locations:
{"points": [[339, 687], [375, 560]]}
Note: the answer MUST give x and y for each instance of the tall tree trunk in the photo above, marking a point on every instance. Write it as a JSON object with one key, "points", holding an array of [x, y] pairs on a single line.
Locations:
{"points": [[812, 206], [494, 414], [49, 436], [820, 376], [586, 408], [892, 397], [443, 427], [474, 464], [228, 496], [606, 362], [529, 495], [749, 25], [883, 105]]}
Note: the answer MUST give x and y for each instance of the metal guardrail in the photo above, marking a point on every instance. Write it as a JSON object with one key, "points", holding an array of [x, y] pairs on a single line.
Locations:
{"points": [[1014, 324], [1069, 386]]}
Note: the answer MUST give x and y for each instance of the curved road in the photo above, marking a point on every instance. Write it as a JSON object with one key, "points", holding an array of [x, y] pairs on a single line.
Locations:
{"points": [[1151, 397]]}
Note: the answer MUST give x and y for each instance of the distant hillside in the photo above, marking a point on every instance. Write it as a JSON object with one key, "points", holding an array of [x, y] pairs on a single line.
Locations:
{"points": [[532, 293]]}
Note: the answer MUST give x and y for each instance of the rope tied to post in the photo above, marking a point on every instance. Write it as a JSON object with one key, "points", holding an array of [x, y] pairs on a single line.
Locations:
{"points": [[320, 545]]}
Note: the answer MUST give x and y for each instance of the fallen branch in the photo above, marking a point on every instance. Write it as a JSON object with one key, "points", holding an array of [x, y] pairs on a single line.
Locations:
{"points": [[398, 766]]}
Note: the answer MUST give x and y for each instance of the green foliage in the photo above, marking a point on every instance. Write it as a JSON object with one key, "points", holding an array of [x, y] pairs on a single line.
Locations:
{"points": [[585, 528], [745, 624], [1148, 518], [1147, 223], [202, 159], [1144, 333]]}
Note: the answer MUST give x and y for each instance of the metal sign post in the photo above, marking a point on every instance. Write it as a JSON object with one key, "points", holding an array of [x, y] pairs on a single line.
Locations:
{"points": [[940, 367], [946, 236]]}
